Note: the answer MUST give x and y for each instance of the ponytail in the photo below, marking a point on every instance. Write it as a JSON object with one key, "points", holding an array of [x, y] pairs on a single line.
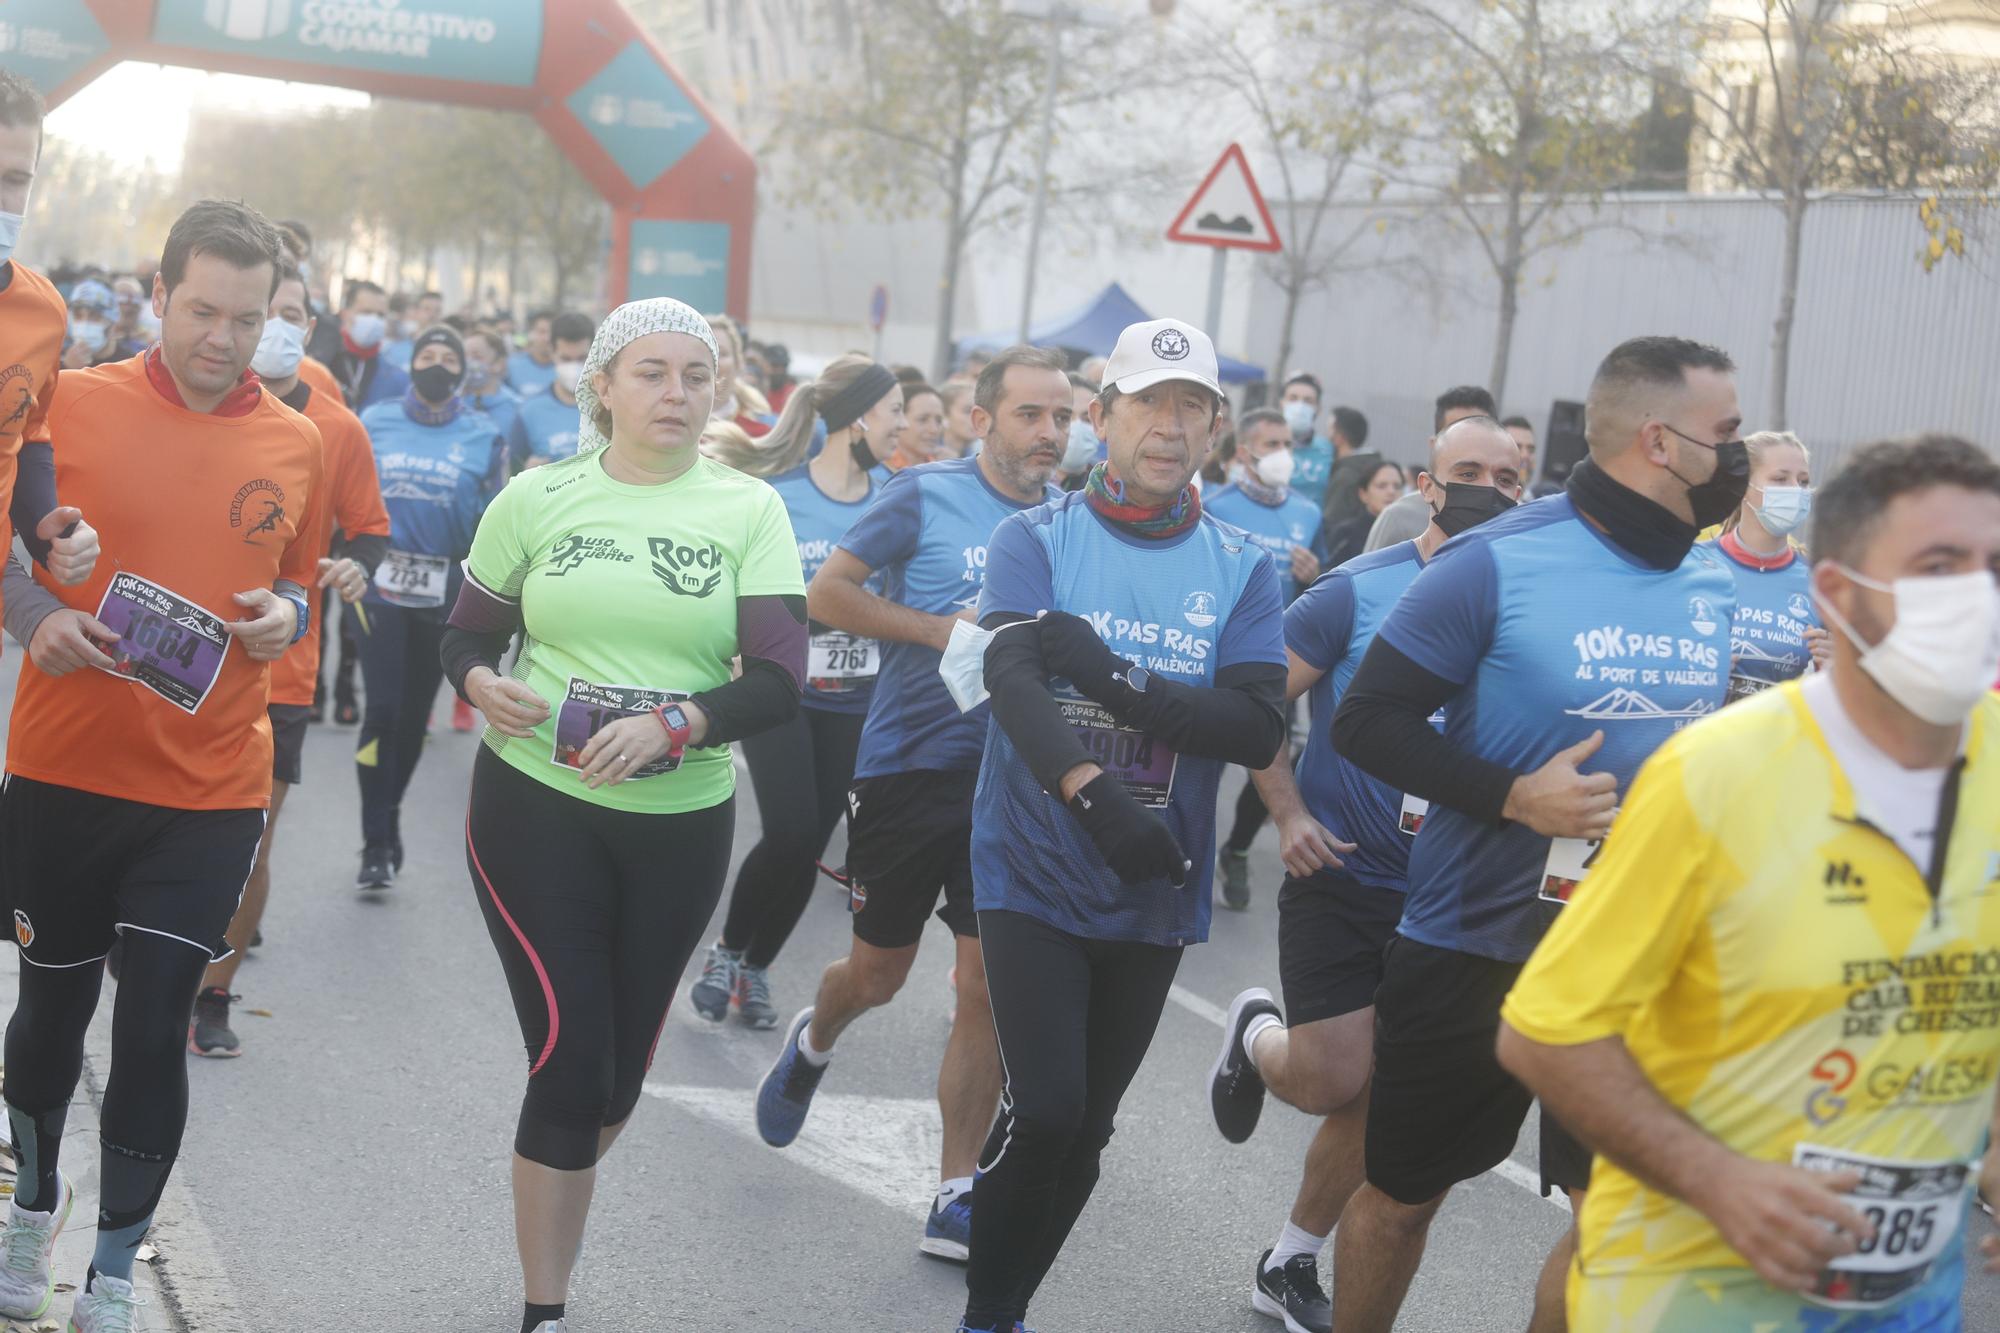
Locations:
{"points": [[778, 452]]}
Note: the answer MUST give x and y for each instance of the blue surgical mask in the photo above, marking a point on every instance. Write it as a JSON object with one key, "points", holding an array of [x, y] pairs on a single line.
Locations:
{"points": [[1299, 416], [1784, 508], [10, 234]]}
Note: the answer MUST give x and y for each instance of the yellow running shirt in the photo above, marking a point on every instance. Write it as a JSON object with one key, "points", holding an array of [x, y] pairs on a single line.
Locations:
{"points": [[1780, 970]]}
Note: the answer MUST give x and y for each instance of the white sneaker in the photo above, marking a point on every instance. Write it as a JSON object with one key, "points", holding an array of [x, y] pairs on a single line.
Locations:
{"points": [[27, 1284], [109, 1306], [553, 1326]]}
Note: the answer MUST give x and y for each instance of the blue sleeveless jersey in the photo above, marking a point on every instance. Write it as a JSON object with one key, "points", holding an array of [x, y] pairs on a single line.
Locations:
{"points": [[926, 534], [1292, 522], [1330, 626], [1553, 632], [1774, 609], [818, 522], [1184, 609]]}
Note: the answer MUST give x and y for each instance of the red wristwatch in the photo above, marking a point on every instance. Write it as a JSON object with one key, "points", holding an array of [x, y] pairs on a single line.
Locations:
{"points": [[675, 719]]}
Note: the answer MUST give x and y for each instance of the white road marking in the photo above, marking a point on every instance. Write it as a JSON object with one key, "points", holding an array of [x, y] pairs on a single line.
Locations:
{"points": [[1510, 1170]]}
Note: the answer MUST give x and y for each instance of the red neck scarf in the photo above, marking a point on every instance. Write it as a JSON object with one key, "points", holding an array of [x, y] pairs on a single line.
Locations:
{"points": [[356, 350], [1742, 555], [1106, 494], [240, 401]]}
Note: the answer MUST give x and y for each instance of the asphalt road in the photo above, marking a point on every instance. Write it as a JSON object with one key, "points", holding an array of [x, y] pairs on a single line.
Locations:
{"points": [[350, 1171]]}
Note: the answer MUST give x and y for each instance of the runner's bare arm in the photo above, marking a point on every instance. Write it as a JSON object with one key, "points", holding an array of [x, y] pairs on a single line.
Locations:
{"points": [[1787, 1222], [838, 598]]}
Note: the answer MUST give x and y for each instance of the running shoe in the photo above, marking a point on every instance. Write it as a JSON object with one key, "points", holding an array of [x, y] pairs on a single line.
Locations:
{"points": [[786, 1093], [107, 1306], [552, 1326], [710, 996], [1235, 1088], [461, 715], [209, 1032], [27, 1283], [948, 1231], [1235, 869], [346, 713], [753, 998], [1292, 1293], [378, 867]]}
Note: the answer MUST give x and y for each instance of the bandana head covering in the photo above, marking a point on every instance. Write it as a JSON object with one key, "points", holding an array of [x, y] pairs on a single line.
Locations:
{"points": [[634, 319]]}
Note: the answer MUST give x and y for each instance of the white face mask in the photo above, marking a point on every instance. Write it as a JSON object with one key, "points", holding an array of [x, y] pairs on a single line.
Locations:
{"points": [[279, 351], [1081, 448], [367, 330], [1784, 508], [1275, 468], [1940, 657], [963, 666], [1299, 416], [569, 374], [10, 234]]}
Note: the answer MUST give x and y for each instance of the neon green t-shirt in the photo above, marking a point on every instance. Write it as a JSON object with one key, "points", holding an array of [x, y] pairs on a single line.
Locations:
{"points": [[629, 598]]}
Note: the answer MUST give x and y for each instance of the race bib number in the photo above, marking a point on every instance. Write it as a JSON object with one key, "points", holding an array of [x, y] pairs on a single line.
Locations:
{"points": [[1143, 765], [837, 662], [1414, 810], [165, 642], [407, 579], [588, 708], [1570, 860], [1916, 1208]]}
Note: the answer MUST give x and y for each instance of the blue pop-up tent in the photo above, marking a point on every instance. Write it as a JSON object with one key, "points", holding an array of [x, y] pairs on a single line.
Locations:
{"points": [[1092, 329]]}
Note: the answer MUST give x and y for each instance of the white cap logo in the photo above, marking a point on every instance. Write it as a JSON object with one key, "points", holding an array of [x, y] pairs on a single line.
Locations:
{"points": [[1170, 345]]}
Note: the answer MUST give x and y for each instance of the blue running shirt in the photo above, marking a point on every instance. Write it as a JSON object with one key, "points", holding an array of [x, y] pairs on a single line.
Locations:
{"points": [[544, 429], [1314, 465], [527, 376], [436, 481], [1774, 609], [926, 533], [840, 669], [1183, 608], [1553, 632], [1330, 627], [1292, 522]]}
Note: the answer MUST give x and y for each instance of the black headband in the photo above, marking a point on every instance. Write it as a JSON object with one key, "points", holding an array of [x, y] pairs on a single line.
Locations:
{"points": [[852, 403]]}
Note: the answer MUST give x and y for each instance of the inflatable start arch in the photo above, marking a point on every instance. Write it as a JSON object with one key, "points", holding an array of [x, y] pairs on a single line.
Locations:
{"points": [[682, 190]]}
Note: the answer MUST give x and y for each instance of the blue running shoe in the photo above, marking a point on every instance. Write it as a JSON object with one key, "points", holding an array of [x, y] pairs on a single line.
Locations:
{"points": [[948, 1232], [786, 1093]]}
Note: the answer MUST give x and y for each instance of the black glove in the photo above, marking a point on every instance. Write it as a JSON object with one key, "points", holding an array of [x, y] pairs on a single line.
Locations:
{"points": [[1072, 650], [1135, 842]]}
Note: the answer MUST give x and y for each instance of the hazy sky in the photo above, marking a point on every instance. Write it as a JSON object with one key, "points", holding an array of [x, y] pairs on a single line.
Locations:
{"points": [[136, 111]]}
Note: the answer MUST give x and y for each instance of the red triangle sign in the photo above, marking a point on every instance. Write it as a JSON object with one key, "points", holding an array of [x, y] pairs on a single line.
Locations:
{"points": [[1227, 209]]}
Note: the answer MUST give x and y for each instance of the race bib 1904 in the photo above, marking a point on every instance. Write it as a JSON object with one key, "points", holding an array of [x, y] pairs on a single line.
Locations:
{"points": [[837, 663], [165, 642], [1143, 765], [588, 708], [405, 578], [1916, 1209]]}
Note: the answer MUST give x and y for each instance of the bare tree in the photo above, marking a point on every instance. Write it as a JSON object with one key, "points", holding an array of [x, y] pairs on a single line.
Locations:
{"points": [[1800, 97]]}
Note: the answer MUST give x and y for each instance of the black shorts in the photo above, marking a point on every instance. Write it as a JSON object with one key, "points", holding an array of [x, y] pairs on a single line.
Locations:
{"points": [[1565, 1162], [1331, 935], [909, 835], [1440, 1107], [77, 869], [288, 742]]}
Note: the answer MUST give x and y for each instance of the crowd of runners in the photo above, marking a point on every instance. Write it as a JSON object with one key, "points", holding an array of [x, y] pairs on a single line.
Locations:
{"points": [[1666, 793]]}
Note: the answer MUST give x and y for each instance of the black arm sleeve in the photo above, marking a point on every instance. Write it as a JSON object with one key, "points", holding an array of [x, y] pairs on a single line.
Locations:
{"points": [[1240, 719], [480, 628], [34, 495], [1383, 727], [1018, 681], [759, 699], [365, 550]]}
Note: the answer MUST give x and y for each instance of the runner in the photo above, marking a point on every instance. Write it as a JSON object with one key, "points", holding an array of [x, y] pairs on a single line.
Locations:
{"points": [[1298, 402], [135, 792], [357, 527], [533, 368], [601, 812], [1408, 517], [486, 387], [910, 809], [436, 459], [1776, 634], [1096, 797], [1344, 838], [1772, 1007], [544, 427], [362, 374], [1287, 525], [1578, 632], [33, 318], [960, 438], [736, 399], [801, 769], [922, 440]]}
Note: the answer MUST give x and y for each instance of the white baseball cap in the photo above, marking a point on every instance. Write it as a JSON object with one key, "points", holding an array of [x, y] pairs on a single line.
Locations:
{"points": [[1160, 350]]}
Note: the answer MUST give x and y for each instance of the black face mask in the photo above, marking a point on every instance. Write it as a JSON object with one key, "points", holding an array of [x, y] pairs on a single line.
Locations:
{"points": [[857, 448], [436, 384], [1722, 494], [1467, 506]]}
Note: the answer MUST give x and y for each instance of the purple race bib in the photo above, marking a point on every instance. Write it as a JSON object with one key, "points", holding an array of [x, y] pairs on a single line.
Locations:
{"points": [[165, 642], [1142, 764], [588, 708]]}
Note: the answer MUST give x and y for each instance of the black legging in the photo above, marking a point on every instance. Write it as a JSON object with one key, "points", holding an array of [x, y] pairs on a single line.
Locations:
{"points": [[1074, 1018], [801, 771], [595, 913], [400, 674]]}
